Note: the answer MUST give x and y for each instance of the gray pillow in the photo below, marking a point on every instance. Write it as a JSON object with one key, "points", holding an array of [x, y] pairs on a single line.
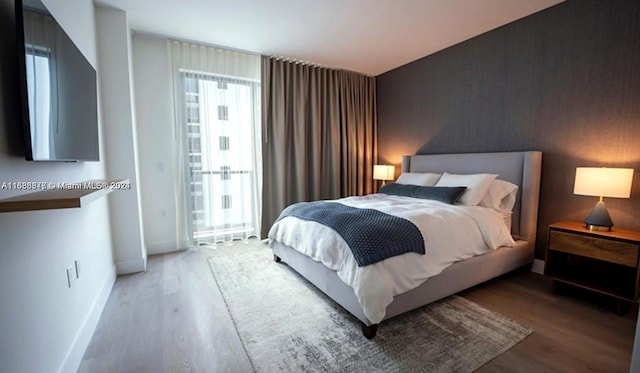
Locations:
{"points": [[404, 190], [443, 194]]}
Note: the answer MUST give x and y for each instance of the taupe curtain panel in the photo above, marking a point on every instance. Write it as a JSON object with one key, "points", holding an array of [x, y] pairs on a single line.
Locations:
{"points": [[319, 131]]}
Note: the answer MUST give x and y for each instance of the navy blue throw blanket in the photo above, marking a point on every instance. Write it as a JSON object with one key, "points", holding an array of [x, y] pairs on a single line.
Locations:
{"points": [[372, 235]]}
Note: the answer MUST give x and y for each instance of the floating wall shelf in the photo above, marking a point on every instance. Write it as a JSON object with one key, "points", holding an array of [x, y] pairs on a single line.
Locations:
{"points": [[63, 196]]}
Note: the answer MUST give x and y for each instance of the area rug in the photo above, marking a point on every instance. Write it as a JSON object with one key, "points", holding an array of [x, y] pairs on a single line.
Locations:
{"points": [[287, 325]]}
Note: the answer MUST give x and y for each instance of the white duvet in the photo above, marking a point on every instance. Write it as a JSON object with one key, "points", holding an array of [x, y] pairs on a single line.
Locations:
{"points": [[451, 233]]}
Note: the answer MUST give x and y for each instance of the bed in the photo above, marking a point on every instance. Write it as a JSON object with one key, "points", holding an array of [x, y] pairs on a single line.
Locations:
{"points": [[520, 168]]}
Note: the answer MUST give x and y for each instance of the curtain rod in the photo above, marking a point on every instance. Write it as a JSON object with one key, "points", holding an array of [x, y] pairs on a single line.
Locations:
{"points": [[189, 41], [276, 57], [298, 61], [314, 64]]}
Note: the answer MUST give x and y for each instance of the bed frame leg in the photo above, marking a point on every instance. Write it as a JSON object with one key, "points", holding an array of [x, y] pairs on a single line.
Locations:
{"points": [[276, 258], [369, 331]]}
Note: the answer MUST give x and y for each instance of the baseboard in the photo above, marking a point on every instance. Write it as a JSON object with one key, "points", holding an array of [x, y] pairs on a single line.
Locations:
{"points": [[538, 266], [131, 266], [72, 361], [163, 248]]}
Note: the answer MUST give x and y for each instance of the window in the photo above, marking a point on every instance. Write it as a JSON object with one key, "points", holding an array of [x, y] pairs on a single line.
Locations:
{"points": [[223, 112], [224, 164], [224, 142], [38, 60]]}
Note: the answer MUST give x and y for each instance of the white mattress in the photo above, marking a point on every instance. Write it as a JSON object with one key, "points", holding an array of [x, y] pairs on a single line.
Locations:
{"points": [[451, 233]]}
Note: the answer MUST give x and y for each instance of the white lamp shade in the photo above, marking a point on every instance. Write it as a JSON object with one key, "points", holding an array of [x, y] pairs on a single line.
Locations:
{"points": [[384, 172], [603, 182]]}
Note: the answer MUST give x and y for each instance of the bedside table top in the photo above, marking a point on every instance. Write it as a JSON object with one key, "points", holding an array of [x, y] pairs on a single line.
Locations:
{"points": [[580, 227]]}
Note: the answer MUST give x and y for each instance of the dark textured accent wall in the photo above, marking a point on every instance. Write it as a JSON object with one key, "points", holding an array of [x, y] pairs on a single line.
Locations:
{"points": [[565, 81]]}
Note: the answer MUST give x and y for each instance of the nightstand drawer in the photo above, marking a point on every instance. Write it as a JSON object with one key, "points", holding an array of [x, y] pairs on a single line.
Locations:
{"points": [[597, 248]]}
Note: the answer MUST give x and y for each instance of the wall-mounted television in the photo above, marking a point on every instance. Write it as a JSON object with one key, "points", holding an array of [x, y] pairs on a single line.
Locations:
{"points": [[58, 89]]}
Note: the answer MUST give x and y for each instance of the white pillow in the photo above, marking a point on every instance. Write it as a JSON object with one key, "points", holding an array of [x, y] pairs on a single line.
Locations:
{"points": [[506, 218], [420, 179], [477, 186], [501, 235], [501, 196]]}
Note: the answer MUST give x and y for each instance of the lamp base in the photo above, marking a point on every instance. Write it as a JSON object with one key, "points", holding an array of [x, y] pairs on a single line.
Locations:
{"points": [[597, 228], [599, 218]]}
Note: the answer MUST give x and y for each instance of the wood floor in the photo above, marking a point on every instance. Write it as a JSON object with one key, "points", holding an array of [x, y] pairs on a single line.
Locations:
{"points": [[573, 331], [173, 319]]}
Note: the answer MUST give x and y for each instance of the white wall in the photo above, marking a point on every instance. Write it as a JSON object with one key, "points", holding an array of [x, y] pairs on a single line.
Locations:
{"points": [[78, 21], [118, 114], [156, 142], [44, 325]]}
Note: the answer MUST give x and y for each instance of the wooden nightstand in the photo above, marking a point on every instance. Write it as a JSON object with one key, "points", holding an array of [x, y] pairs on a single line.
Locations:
{"points": [[605, 262]]}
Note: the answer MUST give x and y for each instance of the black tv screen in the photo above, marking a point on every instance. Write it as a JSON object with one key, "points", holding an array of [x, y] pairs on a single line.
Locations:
{"points": [[58, 86]]}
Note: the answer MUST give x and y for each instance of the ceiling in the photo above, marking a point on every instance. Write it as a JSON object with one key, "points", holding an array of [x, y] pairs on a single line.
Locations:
{"points": [[367, 36]]}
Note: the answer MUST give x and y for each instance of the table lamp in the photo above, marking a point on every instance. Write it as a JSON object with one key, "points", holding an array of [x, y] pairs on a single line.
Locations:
{"points": [[602, 182], [384, 172]]}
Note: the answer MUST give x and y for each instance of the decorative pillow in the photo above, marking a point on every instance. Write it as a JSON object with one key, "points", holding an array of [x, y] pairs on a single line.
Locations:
{"points": [[398, 189], [443, 194], [501, 196], [477, 186], [421, 179]]}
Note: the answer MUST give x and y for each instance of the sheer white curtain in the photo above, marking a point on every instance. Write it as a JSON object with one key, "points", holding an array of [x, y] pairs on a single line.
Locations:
{"points": [[217, 102]]}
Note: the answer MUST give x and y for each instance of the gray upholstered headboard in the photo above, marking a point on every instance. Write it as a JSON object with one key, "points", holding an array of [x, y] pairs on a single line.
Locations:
{"points": [[521, 168]]}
